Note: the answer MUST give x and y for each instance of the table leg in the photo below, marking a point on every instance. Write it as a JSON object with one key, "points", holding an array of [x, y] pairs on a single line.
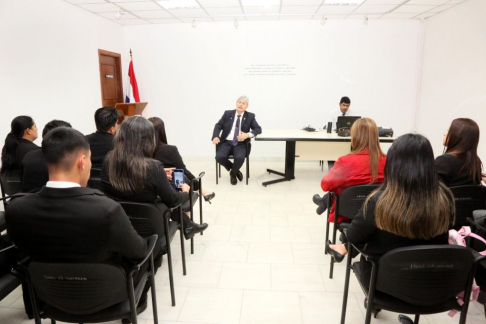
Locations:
{"points": [[289, 165]]}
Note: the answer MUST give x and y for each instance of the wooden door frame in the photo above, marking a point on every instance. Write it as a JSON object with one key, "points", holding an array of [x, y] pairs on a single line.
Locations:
{"points": [[117, 58]]}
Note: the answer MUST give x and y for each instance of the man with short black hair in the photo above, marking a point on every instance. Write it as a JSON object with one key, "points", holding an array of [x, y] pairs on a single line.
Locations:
{"points": [[343, 110], [34, 168], [101, 142], [67, 222]]}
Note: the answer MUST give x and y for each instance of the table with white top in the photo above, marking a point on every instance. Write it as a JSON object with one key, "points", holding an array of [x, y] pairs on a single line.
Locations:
{"points": [[303, 145]]}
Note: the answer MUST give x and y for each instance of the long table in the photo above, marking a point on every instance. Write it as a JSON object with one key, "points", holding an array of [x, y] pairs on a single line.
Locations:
{"points": [[305, 145]]}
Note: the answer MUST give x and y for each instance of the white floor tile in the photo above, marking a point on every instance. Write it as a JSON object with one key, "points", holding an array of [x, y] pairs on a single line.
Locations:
{"points": [[245, 276], [277, 307]]}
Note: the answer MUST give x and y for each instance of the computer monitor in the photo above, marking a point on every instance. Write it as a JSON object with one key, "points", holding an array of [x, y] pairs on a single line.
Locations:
{"points": [[346, 121]]}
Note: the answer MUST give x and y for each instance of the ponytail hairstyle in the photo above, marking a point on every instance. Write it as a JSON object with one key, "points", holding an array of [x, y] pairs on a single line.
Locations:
{"points": [[17, 129]]}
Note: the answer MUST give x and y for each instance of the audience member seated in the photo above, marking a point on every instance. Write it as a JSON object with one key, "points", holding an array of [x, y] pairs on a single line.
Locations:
{"points": [[460, 164], [34, 169], [23, 132], [363, 165], [101, 142], [67, 222], [130, 173], [170, 157], [411, 207]]}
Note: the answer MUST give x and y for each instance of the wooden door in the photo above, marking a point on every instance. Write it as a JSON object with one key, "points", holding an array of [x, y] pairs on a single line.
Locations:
{"points": [[110, 78]]}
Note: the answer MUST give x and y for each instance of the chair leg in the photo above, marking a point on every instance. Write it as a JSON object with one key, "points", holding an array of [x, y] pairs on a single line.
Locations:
{"points": [[183, 253], [152, 290], [216, 172], [346, 284], [131, 299], [200, 203], [192, 218], [247, 169], [417, 319], [220, 170], [169, 261], [371, 295], [334, 232]]}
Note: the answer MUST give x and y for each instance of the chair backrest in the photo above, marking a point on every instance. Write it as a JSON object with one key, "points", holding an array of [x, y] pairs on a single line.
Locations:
{"points": [[425, 275], [95, 179], [467, 199], [78, 288], [11, 184], [352, 198]]}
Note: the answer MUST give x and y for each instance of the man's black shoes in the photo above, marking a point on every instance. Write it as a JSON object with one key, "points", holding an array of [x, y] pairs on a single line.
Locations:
{"points": [[193, 229], [233, 178], [239, 175]]}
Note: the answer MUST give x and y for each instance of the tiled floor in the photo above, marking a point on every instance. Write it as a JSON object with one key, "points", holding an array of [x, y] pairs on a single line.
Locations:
{"points": [[260, 261]]}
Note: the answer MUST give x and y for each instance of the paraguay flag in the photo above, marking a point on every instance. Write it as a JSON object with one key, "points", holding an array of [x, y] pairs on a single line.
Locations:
{"points": [[132, 88]]}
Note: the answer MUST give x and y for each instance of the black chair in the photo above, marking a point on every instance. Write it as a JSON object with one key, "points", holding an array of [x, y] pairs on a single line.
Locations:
{"points": [[8, 282], [95, 179], [149, 219], [191, 203], [477, 245], [348, 205], [467, 199], [10, 185], [247, 162], [416, 280], [88, 292]]}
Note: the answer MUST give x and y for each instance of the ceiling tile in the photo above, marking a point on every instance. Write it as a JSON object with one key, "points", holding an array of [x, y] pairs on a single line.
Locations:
{"points": [[295, 17], [336, 10], [164, 21], [112, 15], [220, 19], [261, 10], [442, 8], [118, 1], [319, 17], [426, 15], [224, 11], [259, 18], [135, 6], [384, 2], [299, 9], [260, 3], [133, 22], [85, 1], [198, 20], [456, 1], [374, 9], [219, 3], [394, 15], [413, 9], [427, 2], [301, 2], [353, 16], [153, 14], [102, 7], [188, 12]]}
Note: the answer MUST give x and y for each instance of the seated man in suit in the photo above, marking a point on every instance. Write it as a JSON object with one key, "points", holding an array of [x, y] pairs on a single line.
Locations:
{"points": [[34, 168], [67, 222], [236, 126], [101, 142]]}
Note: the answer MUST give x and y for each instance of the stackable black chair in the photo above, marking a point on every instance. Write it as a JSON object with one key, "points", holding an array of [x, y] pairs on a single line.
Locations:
{"points": [[8, 282], [10, 185], [95, 179], [348, 205], [247, 162], [192, 202], [467, 199], [479, 229], [88, 292], [416, 280], [149, 219]]}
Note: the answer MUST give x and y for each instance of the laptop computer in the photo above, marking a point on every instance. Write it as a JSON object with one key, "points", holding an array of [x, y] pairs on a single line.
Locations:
{"points": [[346, 121]]}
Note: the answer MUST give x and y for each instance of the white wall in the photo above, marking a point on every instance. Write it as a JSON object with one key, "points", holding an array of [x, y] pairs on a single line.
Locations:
{"points": [[49, 66], [190, 76], [454, 73]]}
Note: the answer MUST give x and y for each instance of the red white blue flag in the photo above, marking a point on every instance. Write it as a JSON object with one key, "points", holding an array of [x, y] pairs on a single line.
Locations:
{"points": [[132, 88]]}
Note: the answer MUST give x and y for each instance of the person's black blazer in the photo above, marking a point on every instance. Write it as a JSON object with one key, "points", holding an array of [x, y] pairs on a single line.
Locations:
{"points": [[73, 225], [100, 144], [226, 123], [24, 147], [34, 171], [453, 170], [171, 158]]}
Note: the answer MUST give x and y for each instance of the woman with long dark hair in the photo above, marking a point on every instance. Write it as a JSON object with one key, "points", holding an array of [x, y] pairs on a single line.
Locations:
{"points": [[460, 164], [130, 173], [23, 132], [363, 165], [411, 207], [170, 157]]}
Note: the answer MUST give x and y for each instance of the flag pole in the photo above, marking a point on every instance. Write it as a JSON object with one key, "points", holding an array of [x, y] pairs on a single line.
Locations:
{"points": [[131, 58]]}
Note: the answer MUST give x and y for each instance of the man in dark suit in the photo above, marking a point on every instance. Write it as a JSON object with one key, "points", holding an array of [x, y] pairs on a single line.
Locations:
{"points": [[67, 222], [101, 142], [235, 126], [34, 168]]}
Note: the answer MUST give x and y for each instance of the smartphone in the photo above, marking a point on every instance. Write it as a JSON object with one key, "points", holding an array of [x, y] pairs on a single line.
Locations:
{"points": [[177, 178]]}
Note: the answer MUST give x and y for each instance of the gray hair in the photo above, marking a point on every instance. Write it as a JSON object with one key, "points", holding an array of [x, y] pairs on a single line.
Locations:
{"points": [[244, 98]]}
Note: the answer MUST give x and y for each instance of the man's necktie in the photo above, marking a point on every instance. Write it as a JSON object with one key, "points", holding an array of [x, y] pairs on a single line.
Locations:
{"points": [[344, 114], [237, 131]]}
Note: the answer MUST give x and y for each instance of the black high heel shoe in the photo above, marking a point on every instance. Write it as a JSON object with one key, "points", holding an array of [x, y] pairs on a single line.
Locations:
{"points": [[209, 197], [338, 257]]}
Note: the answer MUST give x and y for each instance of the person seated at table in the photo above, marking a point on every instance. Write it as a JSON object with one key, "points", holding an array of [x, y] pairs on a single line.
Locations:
{"points": [[34, 169], [130, 172], [23, 132], [411, 207], [363, 165], [101, 142], [170, 157], [238, 127], [460, 165]]}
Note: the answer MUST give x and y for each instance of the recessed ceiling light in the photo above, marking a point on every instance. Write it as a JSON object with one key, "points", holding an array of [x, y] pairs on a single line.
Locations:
{"points": [[342, 2], [179, 4]]}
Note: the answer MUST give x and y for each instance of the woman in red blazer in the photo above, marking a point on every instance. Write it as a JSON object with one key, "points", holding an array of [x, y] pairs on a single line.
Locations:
{"points": [[363, 165]]}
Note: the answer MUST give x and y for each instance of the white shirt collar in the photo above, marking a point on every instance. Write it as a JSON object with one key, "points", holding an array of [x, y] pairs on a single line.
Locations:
{"points": [[62, 184]]}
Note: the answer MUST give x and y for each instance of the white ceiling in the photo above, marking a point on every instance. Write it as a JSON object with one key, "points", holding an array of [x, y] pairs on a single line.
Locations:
{"points": [[139, 12]]}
